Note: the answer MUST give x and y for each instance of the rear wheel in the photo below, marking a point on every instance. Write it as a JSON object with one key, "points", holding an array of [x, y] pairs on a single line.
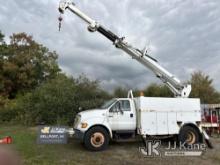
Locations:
{"points": [[96, 139], [189, 135]]}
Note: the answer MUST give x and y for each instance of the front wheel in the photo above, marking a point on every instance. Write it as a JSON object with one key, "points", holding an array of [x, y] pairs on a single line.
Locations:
{"points": [[96, 139]]}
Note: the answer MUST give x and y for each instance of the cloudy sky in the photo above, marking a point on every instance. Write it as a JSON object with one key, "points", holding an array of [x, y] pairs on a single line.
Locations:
{"points": [[184, 35]]}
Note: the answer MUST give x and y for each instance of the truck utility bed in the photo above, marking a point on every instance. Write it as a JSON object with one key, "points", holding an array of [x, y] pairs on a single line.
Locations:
{"points": [[160, 116]]}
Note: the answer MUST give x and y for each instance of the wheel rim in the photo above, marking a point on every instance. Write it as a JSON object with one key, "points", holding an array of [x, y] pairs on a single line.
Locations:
{"points": [[190, 137], [97, 139]]}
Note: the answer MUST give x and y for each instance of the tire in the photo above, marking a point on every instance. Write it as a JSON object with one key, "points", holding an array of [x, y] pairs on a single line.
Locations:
{"points": [[189, 136], [96, 139]]}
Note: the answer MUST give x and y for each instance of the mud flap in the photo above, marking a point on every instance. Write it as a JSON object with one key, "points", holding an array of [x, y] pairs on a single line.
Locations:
{"points": [[207, 139], [143, 138]]}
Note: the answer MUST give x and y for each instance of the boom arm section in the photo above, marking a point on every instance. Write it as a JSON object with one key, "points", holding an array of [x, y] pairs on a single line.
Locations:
{"points": [[179, 89]]}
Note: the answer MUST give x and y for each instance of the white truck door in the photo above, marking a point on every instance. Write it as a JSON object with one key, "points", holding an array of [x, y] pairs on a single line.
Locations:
{"points": [[122, 116]]}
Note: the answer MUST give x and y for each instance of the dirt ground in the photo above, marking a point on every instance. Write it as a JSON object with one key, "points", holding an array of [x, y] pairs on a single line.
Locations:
{"points": [[128, 154]]}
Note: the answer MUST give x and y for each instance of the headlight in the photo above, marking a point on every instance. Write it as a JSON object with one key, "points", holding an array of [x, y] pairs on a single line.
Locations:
{"points": [[77, 120]]}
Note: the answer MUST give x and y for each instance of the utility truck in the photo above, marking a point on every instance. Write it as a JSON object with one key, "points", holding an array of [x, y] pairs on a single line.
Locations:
{"points": [[126, 118]]}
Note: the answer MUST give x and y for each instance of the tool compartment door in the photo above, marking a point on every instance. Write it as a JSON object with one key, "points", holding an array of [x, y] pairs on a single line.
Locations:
{"points": [[162, 126], [148, 123], [172, 123]]}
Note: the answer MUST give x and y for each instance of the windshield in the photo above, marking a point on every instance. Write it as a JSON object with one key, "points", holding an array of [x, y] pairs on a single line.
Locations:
{"points": [[108, 104]]}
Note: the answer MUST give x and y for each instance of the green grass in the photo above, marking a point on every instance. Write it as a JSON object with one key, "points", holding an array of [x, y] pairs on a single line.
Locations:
{"points": [[24, 142]]}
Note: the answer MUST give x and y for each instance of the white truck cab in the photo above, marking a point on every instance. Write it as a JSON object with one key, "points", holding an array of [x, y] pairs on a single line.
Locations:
{"points": [[118, 114], [126, 118]]}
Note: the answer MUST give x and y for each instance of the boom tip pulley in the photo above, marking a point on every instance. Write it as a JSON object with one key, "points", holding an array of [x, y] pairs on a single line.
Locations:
{"points": [[60, 19]]}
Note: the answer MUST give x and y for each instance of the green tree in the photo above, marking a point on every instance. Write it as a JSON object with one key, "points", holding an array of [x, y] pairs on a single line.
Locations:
{"points": [[155, 90], [25, 64], [3, 50], [89, 93], [202, 87], [56, 101], [52, 102], [1, 37], [120, 92]]}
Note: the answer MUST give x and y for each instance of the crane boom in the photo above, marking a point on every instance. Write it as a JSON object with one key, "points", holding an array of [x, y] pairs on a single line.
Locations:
{"points": [[174, 84]]}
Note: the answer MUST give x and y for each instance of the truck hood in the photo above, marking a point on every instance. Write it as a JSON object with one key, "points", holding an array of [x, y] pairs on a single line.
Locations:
{"points": [[93, 113]]}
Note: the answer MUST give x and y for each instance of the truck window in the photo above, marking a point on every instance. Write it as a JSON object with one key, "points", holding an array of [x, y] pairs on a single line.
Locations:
{"points": [[125, 105], [108, 104], [115, 107]]}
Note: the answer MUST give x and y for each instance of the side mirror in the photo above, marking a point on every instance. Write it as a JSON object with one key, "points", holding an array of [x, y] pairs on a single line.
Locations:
{"points": [[120, 108], [121, 111], [111, 110]]}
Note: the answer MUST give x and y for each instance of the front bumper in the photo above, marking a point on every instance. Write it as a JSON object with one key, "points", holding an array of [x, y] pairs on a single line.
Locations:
{"points": [[78, 134], [75, 133]]}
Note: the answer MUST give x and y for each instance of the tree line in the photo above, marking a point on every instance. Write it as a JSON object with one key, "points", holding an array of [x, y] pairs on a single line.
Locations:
{"points": [[33, 89]]}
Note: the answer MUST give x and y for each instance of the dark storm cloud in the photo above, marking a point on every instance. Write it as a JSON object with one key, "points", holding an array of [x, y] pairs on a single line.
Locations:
{"points": [[182, 34]]}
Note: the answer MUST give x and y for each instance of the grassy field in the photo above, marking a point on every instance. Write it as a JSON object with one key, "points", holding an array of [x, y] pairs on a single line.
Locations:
{"points": [[74, 153]]}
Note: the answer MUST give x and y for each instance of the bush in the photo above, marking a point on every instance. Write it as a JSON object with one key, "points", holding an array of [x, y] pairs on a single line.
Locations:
{"points": [[52, 102], [7, 114], [10, 110], [55, 102]]}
